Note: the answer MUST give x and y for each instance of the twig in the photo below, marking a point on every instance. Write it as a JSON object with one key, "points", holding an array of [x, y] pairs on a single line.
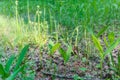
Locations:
{"points": [[57, 75], [67, 77]]}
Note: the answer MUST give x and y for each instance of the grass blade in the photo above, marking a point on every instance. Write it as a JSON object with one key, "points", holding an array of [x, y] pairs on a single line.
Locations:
{"points": [[68, 53], [21, 56], [9, 63], [12, 77], [63, 53], [98, 45], [2, 71], [105, 41], [112, 46], [111, 37], [119, 63], [102, 31], [54, 48]]}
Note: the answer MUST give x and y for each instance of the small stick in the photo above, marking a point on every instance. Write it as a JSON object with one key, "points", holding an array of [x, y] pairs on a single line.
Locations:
{"points": [[57, 75]]}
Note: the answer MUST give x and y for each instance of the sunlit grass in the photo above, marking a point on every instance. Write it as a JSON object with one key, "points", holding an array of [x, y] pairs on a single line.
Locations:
{"points": [[9, 32]]}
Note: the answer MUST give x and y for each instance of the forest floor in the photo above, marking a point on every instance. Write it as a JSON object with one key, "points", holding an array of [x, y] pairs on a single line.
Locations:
{"points": [[79, 67]]}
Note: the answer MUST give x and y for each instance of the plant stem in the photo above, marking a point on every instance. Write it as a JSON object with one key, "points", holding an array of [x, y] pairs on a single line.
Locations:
{"points": [[101, 65]]}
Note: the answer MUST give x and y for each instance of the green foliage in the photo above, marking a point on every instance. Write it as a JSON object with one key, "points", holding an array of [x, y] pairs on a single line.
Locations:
{"points": [[5, 72], [2, 72], [68, 20], [9, 63], [102, 31], [23, 34], [111, 37], [54, 48], [111, 47], [83, 69], [111, 43], [105, 41], [76, 77], [68, 13], [14, 74], [98, 45], [21, 57], [118, 65], [65, 54]]}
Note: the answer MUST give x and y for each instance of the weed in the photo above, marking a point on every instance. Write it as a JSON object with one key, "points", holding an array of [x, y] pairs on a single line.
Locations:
{"points": [[5, 72]]}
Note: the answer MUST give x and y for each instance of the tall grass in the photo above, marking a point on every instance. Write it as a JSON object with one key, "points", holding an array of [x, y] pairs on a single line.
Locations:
{"points": [[15, 32]]}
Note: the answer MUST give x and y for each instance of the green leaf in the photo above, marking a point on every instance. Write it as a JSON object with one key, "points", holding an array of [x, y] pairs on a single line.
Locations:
{"points": [[98, 45], [102, 31], [12, 77], [63, 53], [50, 44], [54, 48], [105, 41], [83, 69], [68, 53], [2, 71], [21, 56], [111, 37], [112, 46], [9, 63]]}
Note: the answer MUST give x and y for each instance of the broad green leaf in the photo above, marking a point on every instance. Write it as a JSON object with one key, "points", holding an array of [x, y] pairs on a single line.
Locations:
{"points": [[98, 45], [2, 71], [102, 31], [21, 56], [9, 63], [111, 37], [54, 48], [112, 46], [63, 53], [68, 53], [12, 77]]}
